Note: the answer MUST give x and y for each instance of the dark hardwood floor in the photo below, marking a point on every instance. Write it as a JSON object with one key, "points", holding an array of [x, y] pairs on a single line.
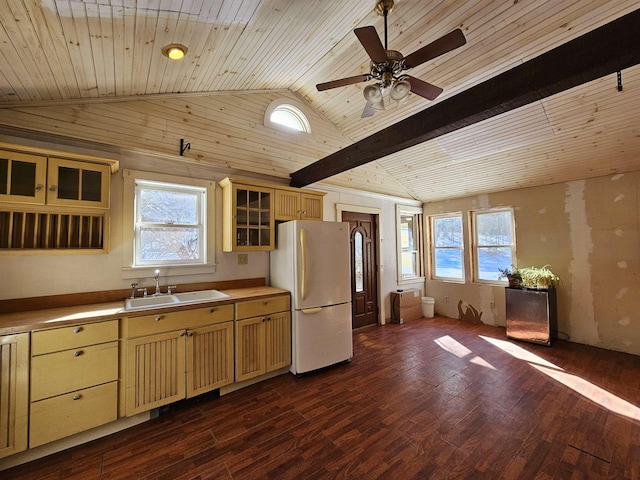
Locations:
{"points": [[429, 399]]}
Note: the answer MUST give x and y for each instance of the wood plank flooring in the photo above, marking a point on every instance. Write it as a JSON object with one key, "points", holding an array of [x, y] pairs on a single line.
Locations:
{"points": [[430, 399]]}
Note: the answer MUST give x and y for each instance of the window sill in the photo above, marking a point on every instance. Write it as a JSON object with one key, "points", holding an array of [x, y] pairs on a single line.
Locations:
{"points": [[406, 281]]}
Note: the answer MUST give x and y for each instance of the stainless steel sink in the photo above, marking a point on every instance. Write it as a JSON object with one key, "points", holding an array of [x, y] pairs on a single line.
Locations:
{"points": [[154, 301]]}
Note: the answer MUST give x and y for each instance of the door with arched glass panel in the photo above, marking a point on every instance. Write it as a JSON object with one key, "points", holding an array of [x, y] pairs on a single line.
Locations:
{"points": [[364, 279]]}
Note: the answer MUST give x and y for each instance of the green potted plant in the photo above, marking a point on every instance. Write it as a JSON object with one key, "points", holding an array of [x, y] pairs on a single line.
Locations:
{"points": [[538, 277], [512, 275]]}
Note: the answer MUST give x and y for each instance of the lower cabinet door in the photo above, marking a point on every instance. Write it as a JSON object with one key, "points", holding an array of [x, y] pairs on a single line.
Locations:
{"points": [[250, 348], [209, 358], [14, 393], [278, 341], [155, 371], [64, 415]]}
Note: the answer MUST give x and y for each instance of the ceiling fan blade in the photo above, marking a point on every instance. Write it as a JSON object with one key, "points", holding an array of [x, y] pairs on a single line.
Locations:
{"points": [[424, 89], [368, 111], [371, 42], [443, 45], [342, 82]]}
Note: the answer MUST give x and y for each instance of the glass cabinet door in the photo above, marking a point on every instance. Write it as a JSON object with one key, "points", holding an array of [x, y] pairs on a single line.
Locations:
{"points": [[253, 217], [22, 178], [73, 183]]}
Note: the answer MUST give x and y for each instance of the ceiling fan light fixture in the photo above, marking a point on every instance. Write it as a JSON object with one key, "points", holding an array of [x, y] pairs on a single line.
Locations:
{"points": [[373, 95], [174, 51], [400, 91]]}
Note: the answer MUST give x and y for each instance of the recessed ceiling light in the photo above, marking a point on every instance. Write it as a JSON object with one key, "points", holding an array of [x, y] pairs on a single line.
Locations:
{"points": [[174, 51]]}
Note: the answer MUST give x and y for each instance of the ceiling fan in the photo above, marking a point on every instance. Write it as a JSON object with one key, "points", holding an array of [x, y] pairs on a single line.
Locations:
{"points": [[387, 66]]}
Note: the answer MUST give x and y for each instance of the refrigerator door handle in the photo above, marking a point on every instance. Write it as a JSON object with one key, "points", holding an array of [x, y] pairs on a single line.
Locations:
{"points": [[311, 310], [303, 263]]}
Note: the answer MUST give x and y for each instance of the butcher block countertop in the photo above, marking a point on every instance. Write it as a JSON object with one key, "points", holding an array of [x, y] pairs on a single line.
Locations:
{"points": [[27, 321]]}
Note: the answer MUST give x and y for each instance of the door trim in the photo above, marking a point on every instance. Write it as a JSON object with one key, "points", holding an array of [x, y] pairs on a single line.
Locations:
{"points": [[343, 207]]}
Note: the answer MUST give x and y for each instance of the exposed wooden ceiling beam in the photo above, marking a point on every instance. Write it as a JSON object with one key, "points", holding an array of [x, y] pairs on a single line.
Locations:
{"points": [[603, 51]]}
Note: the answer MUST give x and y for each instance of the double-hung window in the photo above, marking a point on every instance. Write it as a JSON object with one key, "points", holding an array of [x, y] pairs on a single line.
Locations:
{"points": [[169, 224], [494, 245], [447, 247], [409, 234]]}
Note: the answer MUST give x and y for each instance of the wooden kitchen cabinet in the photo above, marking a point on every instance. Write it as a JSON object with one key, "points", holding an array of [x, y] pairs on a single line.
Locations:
{"points": [[177, 355], [248, 217], [251, 209], [209, 358], [263, 336], [298, 205], [73, 183], [155, 371], [42, 180], [14, 393], [74, 380], [22, 178]]}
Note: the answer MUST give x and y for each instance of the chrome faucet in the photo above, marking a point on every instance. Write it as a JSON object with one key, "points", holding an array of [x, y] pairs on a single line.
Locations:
{"points": [[134, 286], [157, 278]]}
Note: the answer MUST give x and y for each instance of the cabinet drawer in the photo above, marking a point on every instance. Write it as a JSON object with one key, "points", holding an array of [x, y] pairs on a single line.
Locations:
{"points": [[61, 372], [57, 339], [166, 322], [64, 415], [265, 306]]}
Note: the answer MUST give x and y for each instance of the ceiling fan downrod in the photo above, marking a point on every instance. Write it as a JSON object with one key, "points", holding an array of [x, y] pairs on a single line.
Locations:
{"points": [[383, 8]]}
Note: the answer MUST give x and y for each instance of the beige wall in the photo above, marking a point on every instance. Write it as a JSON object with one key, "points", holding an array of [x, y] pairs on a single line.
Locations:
{"points": [[589, 232]]}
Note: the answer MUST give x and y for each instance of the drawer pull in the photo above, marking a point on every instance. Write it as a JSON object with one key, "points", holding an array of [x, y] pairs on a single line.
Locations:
{"points": [[77, 330], [77, 353], [266, 302], [190, 334], [212, 310], [182, 334], [77, 396], [158, 318]]}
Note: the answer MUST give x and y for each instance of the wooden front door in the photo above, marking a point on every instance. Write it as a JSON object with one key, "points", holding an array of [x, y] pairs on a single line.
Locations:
{"points": [[364, 267]]}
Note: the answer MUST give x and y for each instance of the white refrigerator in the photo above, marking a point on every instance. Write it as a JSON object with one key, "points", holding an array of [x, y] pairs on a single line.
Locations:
{"points": [[312, 261]]}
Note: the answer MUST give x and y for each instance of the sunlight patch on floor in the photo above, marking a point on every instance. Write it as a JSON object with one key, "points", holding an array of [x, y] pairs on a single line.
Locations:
{"points": [[596, 394], [451, 345]]}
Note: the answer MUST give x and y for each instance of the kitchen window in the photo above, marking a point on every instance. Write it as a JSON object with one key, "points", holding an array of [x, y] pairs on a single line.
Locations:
{"points": [[409, 241], [494, 245], [447, 247], [168, 222], [170, 225]]}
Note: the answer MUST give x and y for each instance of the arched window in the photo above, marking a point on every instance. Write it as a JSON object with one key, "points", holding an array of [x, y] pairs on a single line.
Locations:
{"points": [[281, 114]]}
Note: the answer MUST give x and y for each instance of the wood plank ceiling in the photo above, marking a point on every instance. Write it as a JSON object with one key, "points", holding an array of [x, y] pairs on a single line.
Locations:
{"points": [[63, 62]]}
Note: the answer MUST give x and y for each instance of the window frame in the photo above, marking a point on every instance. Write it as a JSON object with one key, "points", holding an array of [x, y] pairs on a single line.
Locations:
{"points": [[473, 215], [433, 247], [292, 108], [417, 213], [199, 225], [129, 267]]}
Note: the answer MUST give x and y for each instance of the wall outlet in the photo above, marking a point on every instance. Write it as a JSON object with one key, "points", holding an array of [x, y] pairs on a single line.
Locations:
{"points": [[492, 305], [243, 258], [446, 299]]}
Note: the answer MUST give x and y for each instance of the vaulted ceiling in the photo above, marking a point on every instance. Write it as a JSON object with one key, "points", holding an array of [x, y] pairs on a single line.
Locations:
{"points": [[69, 53]]}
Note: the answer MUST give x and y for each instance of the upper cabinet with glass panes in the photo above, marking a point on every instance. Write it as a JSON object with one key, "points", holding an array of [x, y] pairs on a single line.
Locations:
{"points": [[251, 210], [40, 180], [248, 217]]}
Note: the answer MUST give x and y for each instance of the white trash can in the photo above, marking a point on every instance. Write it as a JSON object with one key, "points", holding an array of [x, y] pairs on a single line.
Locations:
{"points": [[428, 307]]}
